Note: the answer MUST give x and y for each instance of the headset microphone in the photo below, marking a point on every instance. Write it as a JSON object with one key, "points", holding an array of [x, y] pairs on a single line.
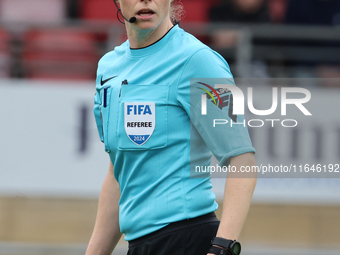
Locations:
{"points": [[131, 20]]}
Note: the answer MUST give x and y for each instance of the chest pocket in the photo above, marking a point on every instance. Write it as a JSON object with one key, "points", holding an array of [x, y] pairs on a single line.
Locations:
{"points": [[143, 117]]}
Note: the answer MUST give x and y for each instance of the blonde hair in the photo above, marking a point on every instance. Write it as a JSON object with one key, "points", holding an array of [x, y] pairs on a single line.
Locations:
{"points": [[177, 11]]}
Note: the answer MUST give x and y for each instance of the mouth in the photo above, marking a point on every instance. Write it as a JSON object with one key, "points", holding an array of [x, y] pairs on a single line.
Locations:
{"points": [[145, 12]]}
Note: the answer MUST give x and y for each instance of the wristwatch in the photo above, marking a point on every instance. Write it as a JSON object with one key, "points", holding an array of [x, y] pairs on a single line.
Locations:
{"points": [[231, 246]]}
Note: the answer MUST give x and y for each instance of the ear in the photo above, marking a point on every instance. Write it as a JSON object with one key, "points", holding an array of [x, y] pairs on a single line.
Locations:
{"points": [[118, 2]]}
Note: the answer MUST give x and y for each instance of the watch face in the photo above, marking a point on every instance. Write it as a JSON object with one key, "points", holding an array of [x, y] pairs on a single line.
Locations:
{"points": [[236, 248]]}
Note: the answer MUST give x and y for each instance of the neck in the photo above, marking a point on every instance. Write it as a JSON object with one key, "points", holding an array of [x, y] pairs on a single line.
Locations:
{"points": [[140, 38]]}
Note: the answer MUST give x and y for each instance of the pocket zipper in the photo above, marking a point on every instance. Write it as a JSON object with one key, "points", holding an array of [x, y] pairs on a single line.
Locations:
{"points": [[125, 82]]}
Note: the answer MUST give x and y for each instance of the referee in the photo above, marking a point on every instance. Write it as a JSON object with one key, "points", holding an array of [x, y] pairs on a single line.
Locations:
{"points": [[142, 110]]}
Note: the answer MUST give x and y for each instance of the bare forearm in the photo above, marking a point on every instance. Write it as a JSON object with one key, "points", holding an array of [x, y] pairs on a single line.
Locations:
{"points": [[106, 232], [237, 198]]}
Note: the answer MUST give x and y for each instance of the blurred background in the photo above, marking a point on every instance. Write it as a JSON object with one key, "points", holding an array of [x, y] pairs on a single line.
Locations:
{"points": [[52, 163]]}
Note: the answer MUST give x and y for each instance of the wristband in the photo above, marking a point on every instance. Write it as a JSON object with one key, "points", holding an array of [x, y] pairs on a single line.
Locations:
{"points": [[217, 251], [232, 246]]}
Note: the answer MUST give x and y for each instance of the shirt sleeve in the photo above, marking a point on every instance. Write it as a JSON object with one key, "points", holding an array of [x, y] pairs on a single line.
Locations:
{"points": [[230, 136]]}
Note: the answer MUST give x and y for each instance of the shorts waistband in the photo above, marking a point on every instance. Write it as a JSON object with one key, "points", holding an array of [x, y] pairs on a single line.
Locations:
{"points": [[174, 226]]}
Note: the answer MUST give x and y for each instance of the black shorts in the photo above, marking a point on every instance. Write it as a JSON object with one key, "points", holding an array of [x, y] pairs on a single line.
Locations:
{"points": [[187, 237]]}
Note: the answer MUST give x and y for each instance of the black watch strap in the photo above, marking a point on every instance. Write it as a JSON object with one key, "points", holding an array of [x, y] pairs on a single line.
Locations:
{"points": [[218, 251], [225, 243]]}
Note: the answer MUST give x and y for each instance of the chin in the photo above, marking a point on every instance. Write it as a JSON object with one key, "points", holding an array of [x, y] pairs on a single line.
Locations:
{"points": [[147, 25]]}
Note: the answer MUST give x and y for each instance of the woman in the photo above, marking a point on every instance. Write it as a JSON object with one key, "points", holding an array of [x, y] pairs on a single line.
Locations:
{"points": [[142, 109]]}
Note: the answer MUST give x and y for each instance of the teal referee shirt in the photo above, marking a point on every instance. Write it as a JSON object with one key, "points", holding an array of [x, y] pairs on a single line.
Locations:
{"points": [[142, 110]]}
